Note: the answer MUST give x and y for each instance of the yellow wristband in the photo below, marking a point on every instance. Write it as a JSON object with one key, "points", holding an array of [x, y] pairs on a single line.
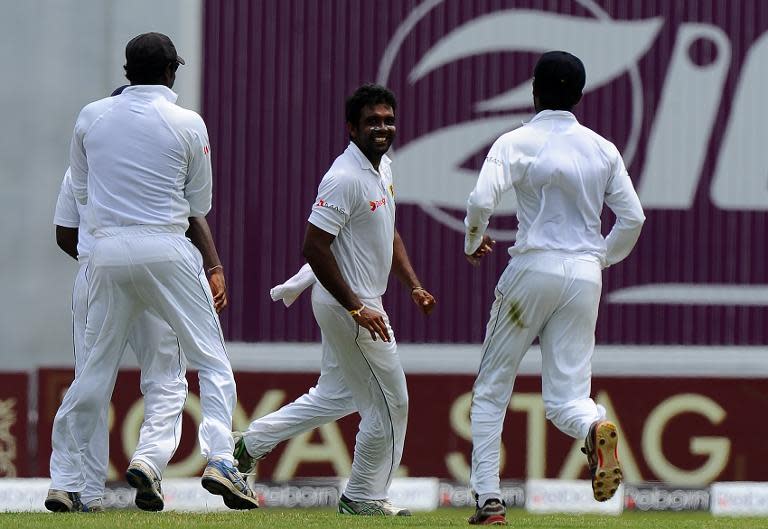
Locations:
{"points": [[356, 312]]}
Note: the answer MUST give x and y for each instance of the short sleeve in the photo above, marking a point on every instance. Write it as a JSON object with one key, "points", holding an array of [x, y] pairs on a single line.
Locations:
{"points": [[198, 188], [78, 161], [333, 205], [66, 213]]}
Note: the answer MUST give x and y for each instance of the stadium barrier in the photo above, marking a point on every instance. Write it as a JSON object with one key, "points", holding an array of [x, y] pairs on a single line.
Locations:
{"points": [[685, 430], [426, 494]]}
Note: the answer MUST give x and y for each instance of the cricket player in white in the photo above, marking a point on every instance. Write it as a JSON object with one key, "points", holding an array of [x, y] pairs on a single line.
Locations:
{"points": [[163, 382], [142, 165], [351, 244], [562, 174]]}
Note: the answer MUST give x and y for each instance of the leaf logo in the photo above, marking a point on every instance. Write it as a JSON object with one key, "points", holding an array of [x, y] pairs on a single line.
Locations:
{"points": [[608, 48]]}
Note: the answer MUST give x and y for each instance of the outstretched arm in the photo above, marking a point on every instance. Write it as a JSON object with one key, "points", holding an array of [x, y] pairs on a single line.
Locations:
{"points": [[401, 267]]}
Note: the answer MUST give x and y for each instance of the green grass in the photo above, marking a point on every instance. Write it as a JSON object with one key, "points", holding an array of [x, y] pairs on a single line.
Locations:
{"points": [[326, 518]]}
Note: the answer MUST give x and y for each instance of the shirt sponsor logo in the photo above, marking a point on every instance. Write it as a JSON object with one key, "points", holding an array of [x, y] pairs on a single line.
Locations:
{"points": [[377, 203], [323, 204]]}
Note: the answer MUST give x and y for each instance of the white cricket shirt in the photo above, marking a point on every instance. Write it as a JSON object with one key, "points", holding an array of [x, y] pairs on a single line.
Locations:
{"points": [[70, 214], [356, 203], [139, 159], [562, 173]]}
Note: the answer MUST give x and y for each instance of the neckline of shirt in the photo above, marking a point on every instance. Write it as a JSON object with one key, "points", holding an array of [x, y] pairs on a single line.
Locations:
{"points": [[552, 114], [152, 90], [364, 162]]}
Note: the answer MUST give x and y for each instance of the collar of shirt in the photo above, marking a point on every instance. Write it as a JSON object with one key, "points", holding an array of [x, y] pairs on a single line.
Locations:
{"points": [[553, 114], [152, 91], [364, 162]]}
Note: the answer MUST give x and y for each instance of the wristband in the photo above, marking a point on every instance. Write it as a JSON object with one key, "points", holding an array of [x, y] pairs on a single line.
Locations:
{"points": [[357, 312], [211, 269]]}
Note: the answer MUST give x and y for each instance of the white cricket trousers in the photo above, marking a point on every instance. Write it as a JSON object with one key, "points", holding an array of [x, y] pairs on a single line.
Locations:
{"points": [[372, 373], [163, 385], [328, 401], [132, 270], [554, 296]]}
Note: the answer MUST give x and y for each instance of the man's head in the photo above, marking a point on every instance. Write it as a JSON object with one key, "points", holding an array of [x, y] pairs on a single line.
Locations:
{"points": [[370, 113], [151, 58], [558, 80]]}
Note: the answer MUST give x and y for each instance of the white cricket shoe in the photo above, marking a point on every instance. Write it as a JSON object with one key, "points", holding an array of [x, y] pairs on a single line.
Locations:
{"points": [[370, 508], [149, 494]]}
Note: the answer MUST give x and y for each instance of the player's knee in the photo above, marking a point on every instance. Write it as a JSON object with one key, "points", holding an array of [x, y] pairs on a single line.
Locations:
{"points": [[399, 406]]}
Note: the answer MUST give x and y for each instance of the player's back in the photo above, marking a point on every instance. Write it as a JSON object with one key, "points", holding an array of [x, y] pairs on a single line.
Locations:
{"points": [[564, 171], [138, 149]]}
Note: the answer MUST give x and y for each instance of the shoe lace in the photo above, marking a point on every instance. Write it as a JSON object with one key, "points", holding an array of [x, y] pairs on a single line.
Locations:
{"points": [[375, 506]]}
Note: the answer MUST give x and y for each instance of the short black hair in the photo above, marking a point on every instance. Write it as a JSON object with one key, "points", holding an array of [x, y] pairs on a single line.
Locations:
{"points": [[558, 80], [367, 95], [147, 56]]}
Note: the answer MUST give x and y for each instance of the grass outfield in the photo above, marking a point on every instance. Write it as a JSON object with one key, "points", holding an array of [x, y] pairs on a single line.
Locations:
{"points": [[326, 518]]}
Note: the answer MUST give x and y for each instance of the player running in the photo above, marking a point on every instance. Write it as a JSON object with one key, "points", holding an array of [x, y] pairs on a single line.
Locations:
{"points": [[562, 174]]}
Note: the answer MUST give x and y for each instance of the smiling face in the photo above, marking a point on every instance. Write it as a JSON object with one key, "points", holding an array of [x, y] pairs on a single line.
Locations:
{"points": [[374, 132]]}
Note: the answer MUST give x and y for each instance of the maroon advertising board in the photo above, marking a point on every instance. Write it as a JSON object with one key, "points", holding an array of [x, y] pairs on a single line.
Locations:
{"points": [[14, 422], [677, 86], [680, 431]]}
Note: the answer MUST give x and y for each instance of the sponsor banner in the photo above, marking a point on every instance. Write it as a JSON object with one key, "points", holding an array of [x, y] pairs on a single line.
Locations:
{"points": [[549, 495], [739, 499], [655, 497], [306, 493], [682, 81], [686, 432], [23, 494], [453, 494], [189, 495], [423, 494], [186, 494], [14, 454], [416, 494]]}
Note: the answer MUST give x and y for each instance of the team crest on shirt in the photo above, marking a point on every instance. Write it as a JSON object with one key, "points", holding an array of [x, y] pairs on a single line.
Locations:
{"points": [[378, 203], [392, 190]]}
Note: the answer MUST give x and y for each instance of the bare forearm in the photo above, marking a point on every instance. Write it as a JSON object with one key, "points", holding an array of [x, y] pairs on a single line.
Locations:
{"points": [[200, 234], [66, 239], [317, 251], [401, 264], [327, 271]]}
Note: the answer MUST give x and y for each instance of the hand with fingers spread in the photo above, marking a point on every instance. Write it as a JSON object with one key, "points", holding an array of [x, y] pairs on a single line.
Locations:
{"points": [[423, 299], [485, 248], [371, 320]]}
